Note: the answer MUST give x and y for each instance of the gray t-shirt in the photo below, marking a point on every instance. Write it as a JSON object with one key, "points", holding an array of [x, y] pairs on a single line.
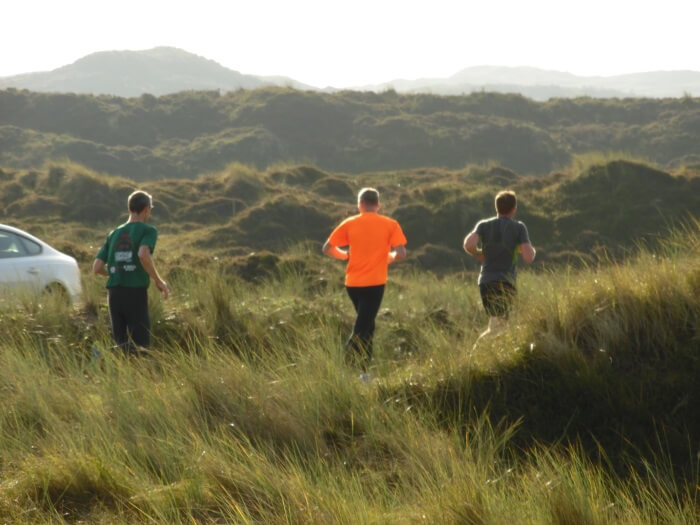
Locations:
{"points": [[500, 239]]}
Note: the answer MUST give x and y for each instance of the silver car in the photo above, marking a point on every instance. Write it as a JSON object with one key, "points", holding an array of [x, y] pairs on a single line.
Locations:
{"points": [[27, 263]]}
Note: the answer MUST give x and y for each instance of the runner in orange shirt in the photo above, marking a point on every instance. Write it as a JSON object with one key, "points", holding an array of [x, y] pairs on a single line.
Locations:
{"points": [[374, 241]]}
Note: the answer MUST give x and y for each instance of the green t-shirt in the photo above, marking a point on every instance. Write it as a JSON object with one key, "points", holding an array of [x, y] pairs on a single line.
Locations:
{"points": [[121, 253]]}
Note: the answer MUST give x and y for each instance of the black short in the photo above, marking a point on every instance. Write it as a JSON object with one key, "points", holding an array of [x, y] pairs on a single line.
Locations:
{"points": [[128, 311], [497, 298]]}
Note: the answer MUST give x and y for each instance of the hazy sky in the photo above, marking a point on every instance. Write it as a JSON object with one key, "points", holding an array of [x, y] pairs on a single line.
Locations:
{"points": [[355, 42]]}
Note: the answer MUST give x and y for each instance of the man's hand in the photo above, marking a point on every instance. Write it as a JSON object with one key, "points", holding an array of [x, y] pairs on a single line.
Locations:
{"points": [[164, 288], [397, 254], [471, 243], [528, 252], [99, 267], [335, 252]]}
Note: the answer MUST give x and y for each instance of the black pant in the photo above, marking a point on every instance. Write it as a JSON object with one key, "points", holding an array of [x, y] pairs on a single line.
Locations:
{"points": [[366, 300], [497, 298], [128, 311]]}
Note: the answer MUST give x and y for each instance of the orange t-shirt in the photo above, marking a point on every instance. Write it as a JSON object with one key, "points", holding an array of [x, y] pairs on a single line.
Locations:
{"points": [[370, 237]]}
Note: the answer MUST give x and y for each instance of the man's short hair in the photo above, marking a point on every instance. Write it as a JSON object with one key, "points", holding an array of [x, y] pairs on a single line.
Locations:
{"points": [[368, 196], [505, 202], [139, 200]]}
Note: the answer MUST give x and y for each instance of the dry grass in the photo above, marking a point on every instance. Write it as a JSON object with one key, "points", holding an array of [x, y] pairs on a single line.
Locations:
{"points": [[581, 412]]}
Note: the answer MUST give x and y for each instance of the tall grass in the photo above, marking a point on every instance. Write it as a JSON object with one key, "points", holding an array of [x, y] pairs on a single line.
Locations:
{"points": [[582, 411]]}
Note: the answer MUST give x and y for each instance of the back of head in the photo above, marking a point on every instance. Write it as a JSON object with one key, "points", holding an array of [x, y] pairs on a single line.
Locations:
{"points": [[139, 200], [505, 202], [368, 196]]}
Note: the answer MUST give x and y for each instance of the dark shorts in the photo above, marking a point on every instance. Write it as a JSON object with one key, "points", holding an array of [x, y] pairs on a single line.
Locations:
{"points": [[128, 312], [497, 298], [366, 300]]}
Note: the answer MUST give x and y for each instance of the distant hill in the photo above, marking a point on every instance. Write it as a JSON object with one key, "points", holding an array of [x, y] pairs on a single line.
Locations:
{"points": [[156, 71], [541, 84], [166, 70], [190, 133]]}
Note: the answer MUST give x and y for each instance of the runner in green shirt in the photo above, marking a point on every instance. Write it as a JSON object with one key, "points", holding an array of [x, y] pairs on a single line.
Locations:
{"points": [[126, 259]]}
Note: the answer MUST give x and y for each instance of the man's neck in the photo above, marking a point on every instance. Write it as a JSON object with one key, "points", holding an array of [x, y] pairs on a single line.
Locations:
{"points": [[134, 217]]}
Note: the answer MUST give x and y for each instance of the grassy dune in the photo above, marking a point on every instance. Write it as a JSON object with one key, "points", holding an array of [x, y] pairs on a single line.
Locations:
{"points": [[599, 206], [583, 411]]}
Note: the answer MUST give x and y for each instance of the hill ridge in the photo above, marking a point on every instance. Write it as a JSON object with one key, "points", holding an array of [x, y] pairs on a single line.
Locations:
{"points": [[157, 71], [534, 82]]}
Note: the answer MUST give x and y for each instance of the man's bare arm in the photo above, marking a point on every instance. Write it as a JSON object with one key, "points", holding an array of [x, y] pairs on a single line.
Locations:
{"points": [[528, 252], [150, 267], [335, 252], [471, 243], [99, 267]]}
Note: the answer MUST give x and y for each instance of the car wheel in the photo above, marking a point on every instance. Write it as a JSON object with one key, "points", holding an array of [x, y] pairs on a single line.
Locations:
{"points": [[57, 292]]}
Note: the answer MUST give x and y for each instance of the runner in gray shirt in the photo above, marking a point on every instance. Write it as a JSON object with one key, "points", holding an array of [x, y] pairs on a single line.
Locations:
{"points": [[502, 238]]}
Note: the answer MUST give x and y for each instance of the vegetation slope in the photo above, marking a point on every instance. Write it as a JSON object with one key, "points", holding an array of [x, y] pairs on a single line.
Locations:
{"points": [[583, 411], [597, 207], [189, 133]]}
